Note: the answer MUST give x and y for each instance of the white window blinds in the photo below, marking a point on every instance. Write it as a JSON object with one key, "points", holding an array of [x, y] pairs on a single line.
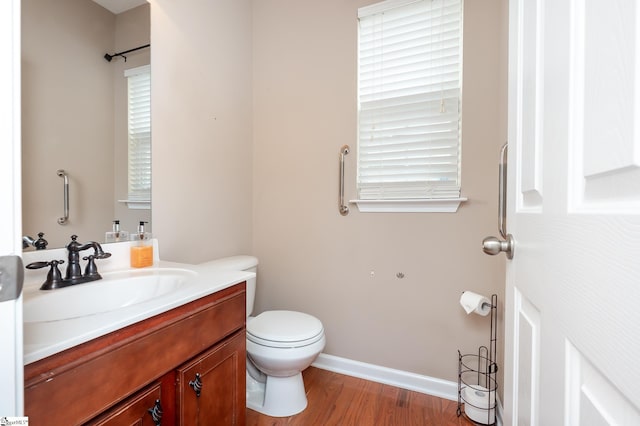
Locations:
{"points": [[409, 99], [139, 131]]}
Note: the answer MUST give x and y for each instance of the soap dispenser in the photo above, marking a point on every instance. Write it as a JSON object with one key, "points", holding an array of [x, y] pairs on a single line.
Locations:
{"points": [[116, 235], [141, 248]]}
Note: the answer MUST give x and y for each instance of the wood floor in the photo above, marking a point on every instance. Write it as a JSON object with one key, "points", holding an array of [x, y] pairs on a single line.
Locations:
{"points": [[336, 399]]}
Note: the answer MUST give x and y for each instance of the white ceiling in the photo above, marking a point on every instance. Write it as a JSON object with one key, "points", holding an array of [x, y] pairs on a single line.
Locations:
{"points": [[119, 6]]}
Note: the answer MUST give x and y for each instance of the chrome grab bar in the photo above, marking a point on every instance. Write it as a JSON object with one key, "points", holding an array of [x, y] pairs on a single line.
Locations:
{"points": [[65, 196], [493, 245], [343, 208], [502, 194]]}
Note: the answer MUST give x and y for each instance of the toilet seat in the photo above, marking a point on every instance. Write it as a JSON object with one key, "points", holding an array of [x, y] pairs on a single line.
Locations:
{"points": [[284, 329]]}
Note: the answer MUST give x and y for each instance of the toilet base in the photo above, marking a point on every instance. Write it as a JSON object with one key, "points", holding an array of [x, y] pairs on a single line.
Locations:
{"points": [[278, 397]]}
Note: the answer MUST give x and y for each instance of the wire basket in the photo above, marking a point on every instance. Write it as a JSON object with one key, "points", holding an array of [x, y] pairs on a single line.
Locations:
{"points": [[477, 387]]}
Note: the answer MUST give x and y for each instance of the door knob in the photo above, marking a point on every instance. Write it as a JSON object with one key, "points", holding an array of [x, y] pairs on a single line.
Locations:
{"points": [[493, 246]]}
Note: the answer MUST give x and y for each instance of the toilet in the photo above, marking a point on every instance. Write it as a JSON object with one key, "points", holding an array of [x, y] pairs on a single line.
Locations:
{"points": [[280, 344]]}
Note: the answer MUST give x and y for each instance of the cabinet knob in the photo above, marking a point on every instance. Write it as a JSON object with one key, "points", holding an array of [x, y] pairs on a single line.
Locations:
{"points": [[196, 384], [156, 412]]}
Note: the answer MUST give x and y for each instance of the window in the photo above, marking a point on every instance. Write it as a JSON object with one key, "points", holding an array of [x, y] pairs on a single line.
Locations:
{"points": [[409, 100], [139, 131]]}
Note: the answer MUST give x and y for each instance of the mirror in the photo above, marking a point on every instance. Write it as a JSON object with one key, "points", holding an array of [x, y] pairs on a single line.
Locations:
{"points": [[74, 117]]}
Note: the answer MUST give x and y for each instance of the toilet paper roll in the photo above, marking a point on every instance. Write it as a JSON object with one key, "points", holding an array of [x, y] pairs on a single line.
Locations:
{"points": [[474, 302], [477, 402]]}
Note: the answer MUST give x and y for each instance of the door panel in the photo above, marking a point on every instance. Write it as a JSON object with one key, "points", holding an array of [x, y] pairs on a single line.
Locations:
{"points": [[604, 103], [591, 398], [530, 116], [573, 286], [528, 356]]}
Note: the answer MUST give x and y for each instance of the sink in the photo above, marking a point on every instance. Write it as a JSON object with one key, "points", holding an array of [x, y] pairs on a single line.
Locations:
{"points": [[114, 291]]}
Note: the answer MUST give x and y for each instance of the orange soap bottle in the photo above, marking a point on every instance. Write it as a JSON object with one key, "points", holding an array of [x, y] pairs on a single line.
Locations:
{"points": [[141, 248]]}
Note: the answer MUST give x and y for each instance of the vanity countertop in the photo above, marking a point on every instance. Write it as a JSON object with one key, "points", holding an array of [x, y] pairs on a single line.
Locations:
{"points": [[45, 338]]}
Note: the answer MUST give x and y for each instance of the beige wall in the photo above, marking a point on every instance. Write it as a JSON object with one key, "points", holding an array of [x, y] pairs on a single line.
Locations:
{"points": [[201, 127], [67, 117], [251, 103], [314, 260]]}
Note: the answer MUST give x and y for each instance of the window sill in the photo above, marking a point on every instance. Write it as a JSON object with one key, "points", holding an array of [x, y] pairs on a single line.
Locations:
{"points": [[137, 204], [440, 205]]}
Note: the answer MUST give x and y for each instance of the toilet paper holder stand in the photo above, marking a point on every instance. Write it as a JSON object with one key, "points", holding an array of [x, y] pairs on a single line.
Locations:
{"points": [[477, 384]]}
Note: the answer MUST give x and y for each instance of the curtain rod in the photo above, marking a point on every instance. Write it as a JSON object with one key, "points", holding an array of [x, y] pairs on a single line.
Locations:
{"points": [[110, 57]]}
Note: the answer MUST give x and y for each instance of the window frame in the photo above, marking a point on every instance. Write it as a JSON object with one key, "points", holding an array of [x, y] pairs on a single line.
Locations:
{"points": [[378, 202]]}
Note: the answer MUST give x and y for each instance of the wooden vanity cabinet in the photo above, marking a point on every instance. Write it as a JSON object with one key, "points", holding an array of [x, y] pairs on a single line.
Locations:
{"points": [[212, 386], [116, 379]]}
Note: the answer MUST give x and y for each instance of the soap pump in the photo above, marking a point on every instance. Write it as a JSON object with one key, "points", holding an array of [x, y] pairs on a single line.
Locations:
{"points": [[116, 235], [141, 234], [141, 248]]}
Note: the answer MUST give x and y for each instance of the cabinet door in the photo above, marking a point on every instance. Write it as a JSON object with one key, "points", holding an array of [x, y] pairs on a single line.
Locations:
{"points": [[211, 388], [139, 410]]}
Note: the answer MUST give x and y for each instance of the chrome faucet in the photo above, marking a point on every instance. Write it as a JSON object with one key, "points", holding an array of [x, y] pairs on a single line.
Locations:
{"points": [[74, 273]]}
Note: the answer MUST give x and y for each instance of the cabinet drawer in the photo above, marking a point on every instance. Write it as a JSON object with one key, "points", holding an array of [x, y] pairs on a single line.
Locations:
{"points": [[137, 410]]}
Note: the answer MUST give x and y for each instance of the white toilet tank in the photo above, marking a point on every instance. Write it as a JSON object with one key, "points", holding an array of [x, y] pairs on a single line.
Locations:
{"points": [[240, 263]]}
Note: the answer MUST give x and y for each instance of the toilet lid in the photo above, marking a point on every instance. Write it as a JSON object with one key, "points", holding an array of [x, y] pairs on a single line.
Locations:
{"points": [[284, 329]]}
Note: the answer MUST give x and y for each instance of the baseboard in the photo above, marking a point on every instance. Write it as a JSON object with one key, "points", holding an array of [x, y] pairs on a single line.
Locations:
{"points": [[403, 379]]}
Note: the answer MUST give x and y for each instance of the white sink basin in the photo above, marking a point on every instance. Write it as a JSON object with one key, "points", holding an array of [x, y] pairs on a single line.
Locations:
{"points": [[114, 291]]}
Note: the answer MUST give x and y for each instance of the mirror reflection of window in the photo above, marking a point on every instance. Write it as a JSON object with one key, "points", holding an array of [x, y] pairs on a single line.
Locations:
{"points": [[139, 136]]}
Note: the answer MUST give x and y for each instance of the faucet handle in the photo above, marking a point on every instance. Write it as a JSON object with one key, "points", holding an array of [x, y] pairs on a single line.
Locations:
{"points": [[40, 243], [37, 265], [54, 277], [91, 270]]}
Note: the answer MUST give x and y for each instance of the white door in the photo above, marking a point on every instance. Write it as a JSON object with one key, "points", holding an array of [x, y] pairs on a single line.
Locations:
{"points": [[573, 286], [11, 364]]}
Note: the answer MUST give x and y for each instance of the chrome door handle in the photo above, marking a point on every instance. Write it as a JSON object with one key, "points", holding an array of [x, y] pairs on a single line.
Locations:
{"points": [[493, 245], [502, 194]]}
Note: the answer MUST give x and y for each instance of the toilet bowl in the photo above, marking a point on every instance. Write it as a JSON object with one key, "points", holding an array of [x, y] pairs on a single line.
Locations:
{"points": [[280, 345]]}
